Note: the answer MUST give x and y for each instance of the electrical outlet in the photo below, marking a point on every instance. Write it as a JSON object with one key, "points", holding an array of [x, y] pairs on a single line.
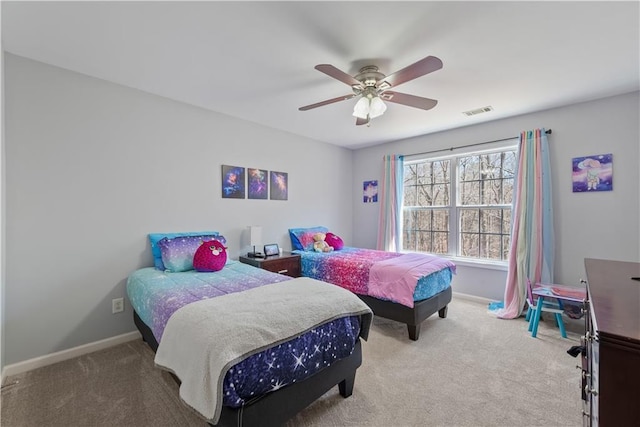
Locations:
{"points": [[117, 305]]}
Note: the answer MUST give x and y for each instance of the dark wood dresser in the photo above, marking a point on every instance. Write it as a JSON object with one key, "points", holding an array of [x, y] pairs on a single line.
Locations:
{"points": [[611, 362]]}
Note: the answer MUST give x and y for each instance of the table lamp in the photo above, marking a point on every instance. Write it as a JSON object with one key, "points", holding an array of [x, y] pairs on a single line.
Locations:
{"points": [[255, 235]]}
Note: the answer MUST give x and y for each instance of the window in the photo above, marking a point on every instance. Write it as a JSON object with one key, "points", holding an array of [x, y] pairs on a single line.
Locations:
{"points": [[460, 205]]}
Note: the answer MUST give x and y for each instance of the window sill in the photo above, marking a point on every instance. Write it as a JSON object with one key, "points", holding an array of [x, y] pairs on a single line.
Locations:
{"points": [[485, 264], [475, 263]]}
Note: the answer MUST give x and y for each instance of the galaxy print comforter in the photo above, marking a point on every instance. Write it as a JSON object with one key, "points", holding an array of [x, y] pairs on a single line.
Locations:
{"points": [[192, 349], [350, 267], [156, 295]]}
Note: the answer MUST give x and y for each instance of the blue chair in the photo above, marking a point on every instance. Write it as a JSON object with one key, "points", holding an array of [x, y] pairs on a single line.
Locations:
{"points": [[554, 307]]}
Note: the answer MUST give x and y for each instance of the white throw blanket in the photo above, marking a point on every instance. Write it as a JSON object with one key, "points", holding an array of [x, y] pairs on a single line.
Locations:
{"points": [[202, 340]]}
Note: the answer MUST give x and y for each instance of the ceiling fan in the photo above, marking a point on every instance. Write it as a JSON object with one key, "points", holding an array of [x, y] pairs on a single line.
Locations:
{"points": [[373, 87]]}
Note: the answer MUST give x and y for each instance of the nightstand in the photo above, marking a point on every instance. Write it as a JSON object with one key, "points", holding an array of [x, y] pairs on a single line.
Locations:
{"points": [[287, 263]]}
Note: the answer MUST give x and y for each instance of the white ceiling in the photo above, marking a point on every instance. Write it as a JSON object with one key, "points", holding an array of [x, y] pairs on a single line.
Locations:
{"points": [[255, 60]]}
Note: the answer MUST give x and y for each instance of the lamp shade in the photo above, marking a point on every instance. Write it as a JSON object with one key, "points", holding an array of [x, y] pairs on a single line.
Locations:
{"points": [[376, 108], [255, 233], [361, 109]]}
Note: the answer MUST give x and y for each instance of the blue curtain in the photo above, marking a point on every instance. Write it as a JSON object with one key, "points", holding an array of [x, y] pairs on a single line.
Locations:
{"points": [[391, 190]]}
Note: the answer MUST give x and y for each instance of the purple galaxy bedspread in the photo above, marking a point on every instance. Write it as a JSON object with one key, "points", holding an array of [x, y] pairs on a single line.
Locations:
{"points": [[350, 268], [156, 295]]}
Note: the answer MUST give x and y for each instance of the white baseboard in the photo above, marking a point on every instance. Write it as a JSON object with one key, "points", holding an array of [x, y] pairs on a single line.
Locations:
{"points": [[473, 298], [50, 359]]}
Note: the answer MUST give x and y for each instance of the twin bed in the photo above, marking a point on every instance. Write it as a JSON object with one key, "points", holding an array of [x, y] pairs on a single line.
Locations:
{"points": [[252, 347], [407, 288], [285, 341]]}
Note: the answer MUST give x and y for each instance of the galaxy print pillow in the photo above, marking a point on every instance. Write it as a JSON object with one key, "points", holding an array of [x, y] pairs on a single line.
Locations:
{"points": [[177, 252], [154, 238], [302, 238]]}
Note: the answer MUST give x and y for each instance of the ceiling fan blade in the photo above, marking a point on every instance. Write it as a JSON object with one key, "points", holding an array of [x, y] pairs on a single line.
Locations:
{"points": [[327, 102], [360, 122], [420, 68], [332, 71], [410, 100]]}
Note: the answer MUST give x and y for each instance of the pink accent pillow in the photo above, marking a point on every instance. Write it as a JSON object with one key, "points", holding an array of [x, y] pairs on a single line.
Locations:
{"points": [[210, 256], [334, 241]]}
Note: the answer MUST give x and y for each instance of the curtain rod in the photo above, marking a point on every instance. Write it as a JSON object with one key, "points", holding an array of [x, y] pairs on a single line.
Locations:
{"points": [[548, 132]]}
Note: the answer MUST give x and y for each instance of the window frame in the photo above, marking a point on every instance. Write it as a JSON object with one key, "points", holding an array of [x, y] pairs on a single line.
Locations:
{"points": [[455, 208]]}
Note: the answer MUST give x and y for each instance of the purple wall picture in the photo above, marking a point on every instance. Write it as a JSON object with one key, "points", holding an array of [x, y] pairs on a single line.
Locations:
{"points": [[593, 173], [370, 191], [257, 183], [279, 185], [232, 182]]}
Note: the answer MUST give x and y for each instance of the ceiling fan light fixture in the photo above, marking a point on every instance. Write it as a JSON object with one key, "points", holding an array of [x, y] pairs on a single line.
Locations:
{"points": [[361, 109], [377, 107], [370, 86]]}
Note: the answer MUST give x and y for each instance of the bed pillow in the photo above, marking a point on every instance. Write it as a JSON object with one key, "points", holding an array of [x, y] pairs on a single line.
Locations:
{"points": [[334, 241], [177, 252], [210, 256], [302, 238], [154, 238]]}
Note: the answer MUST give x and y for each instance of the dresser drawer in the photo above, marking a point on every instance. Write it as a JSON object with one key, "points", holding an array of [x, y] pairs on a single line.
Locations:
{"points": [[289, 266]]}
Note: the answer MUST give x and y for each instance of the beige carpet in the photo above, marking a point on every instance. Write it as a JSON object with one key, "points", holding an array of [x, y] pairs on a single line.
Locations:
{"points": [[469, 369]]}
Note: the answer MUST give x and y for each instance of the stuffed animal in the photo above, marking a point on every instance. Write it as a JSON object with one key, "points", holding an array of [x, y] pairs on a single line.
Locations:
{"points": [[319, 245], [210, 256], [334, 241]]}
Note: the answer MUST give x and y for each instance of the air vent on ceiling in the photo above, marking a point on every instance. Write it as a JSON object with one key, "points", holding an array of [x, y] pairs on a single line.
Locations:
{"points": [[478, 111]]}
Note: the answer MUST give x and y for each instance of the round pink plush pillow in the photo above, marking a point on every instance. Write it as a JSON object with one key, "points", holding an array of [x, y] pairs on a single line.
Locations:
{"points": [[334, 241], [210, 256]]}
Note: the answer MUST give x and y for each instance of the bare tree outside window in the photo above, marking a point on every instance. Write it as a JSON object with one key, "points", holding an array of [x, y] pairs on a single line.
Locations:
{"points": [[426, 206], [480, 216]]}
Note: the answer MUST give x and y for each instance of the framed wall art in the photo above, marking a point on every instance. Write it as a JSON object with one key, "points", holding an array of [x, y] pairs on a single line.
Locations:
{"points": [[279, 184], [370, 191], [257, 183], [592, 173], [233, 182]]}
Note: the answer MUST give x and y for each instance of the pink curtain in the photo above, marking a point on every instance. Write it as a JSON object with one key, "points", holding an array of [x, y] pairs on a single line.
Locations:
{"points": [[532, 248]]}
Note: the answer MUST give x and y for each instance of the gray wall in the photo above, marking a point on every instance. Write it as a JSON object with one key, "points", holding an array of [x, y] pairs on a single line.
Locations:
{"points": [[594, 225], [92, 167]]}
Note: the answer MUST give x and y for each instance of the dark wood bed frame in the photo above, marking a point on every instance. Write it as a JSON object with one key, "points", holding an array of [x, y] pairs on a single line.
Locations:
{"points": [[413, 317], [277, 407]]}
